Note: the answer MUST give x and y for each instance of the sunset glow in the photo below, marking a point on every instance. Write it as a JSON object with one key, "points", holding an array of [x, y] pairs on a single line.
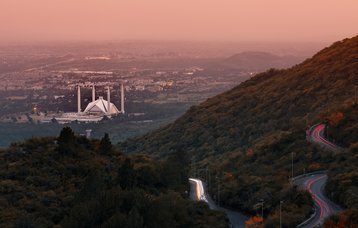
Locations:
{"points": [[224, 20]]}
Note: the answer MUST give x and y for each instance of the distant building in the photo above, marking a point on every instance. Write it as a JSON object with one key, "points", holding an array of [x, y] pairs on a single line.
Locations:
{"points": [[100, 107], [88, 133], [95, 110]]}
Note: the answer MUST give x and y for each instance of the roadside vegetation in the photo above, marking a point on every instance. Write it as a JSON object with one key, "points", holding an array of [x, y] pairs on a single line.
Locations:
{"points": [[348, 218], [342, 186]]}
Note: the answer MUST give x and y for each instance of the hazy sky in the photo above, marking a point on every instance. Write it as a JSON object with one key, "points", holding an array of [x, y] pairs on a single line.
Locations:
{"points": [[221, 20]]}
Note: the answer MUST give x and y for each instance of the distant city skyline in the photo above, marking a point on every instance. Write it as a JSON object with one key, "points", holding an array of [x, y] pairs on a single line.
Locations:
{"points": [[198, 20]]}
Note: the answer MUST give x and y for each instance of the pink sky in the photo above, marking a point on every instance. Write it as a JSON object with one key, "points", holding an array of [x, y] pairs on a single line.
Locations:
{"points": [[214, 20]]}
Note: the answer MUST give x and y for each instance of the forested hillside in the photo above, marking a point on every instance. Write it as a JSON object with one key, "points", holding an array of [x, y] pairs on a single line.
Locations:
{"points": [[271, 101], [343, 184], [71, 181], [246, 136]]}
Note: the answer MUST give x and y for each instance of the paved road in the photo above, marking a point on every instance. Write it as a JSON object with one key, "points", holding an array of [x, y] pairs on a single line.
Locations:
{"points": [[316, 135], [314, 184], [197, 192]]}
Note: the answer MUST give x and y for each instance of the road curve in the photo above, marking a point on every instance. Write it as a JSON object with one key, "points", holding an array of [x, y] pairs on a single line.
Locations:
{"points": [[314, 184], [198, 193], [316, 135]]}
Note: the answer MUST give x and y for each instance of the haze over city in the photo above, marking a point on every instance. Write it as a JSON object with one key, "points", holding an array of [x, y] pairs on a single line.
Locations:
{"points": [[213, 20]]}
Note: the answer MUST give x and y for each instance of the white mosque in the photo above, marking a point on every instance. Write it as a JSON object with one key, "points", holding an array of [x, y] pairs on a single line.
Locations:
{"points": [[95, 110]]}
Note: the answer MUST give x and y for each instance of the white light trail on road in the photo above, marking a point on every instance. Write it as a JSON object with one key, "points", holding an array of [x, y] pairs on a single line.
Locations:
{"points": [[200, 193]]}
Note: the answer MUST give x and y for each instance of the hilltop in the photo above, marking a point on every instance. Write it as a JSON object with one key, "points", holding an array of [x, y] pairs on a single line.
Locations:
{"points": [[246, 136], [255, 60]]}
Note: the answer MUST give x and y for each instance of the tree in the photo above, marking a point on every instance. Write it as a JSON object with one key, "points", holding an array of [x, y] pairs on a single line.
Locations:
{"points": [[66, 141], [126, 175], [335, 118], [254, 221], [134, 219], [105, 146], [176, 170]]}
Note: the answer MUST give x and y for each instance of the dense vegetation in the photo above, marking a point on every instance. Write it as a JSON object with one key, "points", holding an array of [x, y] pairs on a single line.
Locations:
{"points": [[246, 136], [348, 218], [343, 181], [71, 181]]}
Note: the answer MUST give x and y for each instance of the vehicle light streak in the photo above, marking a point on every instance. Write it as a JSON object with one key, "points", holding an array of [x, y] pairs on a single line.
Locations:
{"points": [[317, 137], [200, 193], [323, 207]]}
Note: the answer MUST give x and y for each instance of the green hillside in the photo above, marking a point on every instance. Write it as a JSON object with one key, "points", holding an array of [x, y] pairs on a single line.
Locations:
{"points": [[271, 101], [246, 136], [75, 182]]}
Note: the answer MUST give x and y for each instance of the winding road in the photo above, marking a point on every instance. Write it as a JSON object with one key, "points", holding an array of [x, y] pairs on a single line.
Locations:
{"points": [[197, 192], [316, 135], [314, 183], [323, 207]]}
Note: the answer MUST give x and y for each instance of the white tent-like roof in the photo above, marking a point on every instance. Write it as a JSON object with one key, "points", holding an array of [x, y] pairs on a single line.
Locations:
{"points": [[100, 106]]}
